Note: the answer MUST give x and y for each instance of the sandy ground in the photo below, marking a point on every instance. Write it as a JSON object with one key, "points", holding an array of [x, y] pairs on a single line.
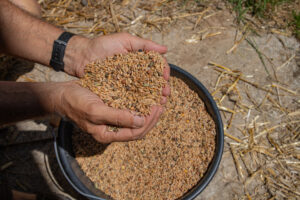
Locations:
{"points": [[34, 167]]}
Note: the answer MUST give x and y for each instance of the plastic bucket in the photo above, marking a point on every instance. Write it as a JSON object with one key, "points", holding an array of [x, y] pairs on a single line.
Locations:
{"points": [[82, 184]]}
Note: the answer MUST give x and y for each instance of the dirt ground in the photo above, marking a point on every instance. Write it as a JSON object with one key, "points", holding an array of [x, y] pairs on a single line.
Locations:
{"points": [[34, 167]]}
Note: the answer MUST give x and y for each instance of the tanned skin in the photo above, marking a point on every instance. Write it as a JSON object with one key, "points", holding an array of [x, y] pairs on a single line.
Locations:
{"points": [[25, 36]]}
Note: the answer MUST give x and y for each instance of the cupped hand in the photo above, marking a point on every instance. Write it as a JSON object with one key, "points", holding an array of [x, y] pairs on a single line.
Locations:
{"points": [[85, 51], [89, 112], [105, 46], [120, 43]]}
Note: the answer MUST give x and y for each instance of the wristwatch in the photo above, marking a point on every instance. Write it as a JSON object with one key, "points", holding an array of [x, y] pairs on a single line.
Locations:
{"points": [[58, 51]]}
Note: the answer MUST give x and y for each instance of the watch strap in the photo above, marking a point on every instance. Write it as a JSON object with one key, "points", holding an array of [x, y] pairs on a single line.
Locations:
{"points": [[58, 51]]}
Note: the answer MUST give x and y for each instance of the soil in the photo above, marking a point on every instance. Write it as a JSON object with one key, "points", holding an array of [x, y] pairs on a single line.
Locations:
{"points": [[29, 172]]}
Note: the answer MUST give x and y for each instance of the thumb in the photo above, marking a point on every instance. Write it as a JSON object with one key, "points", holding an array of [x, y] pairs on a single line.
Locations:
{"points": [[137, 43]]}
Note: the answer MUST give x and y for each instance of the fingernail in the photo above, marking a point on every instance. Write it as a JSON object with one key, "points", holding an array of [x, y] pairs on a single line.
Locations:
{"points": [[138, 121]]}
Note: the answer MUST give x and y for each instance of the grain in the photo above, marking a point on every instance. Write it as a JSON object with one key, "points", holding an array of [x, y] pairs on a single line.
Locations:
{"points": [[132, 81], [167, 163]]}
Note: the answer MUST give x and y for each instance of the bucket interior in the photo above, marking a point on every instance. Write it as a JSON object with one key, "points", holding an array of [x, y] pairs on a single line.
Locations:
{"points": [[82, 183]]}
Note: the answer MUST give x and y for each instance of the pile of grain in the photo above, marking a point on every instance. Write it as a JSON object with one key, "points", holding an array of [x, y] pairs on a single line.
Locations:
{"points": [[132, 81], [169, 161]]}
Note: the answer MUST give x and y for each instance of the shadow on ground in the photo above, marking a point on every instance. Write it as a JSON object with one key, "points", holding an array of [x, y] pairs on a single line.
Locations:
{"points": [[27, 158], [33, 167], [12, 68]]}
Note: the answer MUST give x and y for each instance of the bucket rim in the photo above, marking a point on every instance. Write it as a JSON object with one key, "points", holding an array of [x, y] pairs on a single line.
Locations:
{"points": [[63, 155]]}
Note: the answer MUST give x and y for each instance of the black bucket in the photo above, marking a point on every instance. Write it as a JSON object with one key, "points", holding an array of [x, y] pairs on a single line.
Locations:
{"points": [[83, 185]]}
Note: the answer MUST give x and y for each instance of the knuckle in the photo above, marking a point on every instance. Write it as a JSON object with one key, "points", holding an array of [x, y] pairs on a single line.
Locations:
{"points": [[104, 138], [93, 114], [90, 108], [89, 129], [100, 136]]}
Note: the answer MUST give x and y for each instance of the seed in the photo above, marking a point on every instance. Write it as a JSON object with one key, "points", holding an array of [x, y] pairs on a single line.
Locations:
{"points": [[169, 161], [127, 72]]}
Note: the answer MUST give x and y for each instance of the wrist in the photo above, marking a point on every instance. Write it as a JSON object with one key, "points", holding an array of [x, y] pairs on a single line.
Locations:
{"points": [[60, 95], [49, 95], [76, 56]]}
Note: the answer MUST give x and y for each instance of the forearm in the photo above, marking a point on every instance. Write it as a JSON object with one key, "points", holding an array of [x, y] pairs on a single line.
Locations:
{"points": [[30, 38], [20, 101]]}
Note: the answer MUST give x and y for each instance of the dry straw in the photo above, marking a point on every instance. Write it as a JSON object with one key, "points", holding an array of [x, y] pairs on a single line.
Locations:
{"points": [[266, 154], [93, 17], [266, 157]]}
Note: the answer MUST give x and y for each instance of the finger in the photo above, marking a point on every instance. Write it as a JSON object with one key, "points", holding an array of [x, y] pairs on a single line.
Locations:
{"points": [[102, 135], [127, 134], [108, 115], [139, 133], [166, 72], [137, 43], [123, 135], [157, 110], [166, 91], [97, 131], [163, 100]]}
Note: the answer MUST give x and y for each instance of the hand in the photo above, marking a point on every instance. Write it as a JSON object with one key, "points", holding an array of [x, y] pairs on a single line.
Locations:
{"points": [[100, 48], [105, 46], [81, 51], [89, 112]]}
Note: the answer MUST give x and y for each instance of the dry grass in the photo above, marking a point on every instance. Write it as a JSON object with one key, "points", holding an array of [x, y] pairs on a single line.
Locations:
{"points": [[134, 16], [275, 16], [266, 153]]}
